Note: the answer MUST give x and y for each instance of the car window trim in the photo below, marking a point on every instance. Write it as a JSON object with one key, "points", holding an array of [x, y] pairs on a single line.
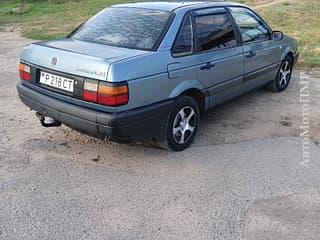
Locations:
{"points": [[196, 43], [76, 29], [235, 27], [258, 18], [164, 32], [177, 34]]}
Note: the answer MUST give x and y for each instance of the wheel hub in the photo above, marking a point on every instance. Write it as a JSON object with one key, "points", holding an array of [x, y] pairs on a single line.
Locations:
{"points": [[184, 125], [285, 73]]}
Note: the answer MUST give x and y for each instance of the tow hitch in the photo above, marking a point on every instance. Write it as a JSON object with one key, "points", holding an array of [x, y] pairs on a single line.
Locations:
{"points": [[42, 118]]}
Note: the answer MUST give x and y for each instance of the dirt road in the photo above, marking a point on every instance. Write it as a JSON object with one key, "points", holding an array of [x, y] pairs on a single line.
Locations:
{"points": [[244, 165], [268, 4]]}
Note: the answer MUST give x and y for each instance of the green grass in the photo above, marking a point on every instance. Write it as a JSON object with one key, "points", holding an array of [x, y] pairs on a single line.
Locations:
{"points": [[45, 20], [299, 19]]}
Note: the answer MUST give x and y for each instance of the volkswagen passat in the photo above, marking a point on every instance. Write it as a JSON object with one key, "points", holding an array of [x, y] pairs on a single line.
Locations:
{"points": [[147, 70]]}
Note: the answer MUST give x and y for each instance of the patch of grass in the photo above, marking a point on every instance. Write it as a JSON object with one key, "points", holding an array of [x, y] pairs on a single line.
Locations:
{"points": [[46, 20]]}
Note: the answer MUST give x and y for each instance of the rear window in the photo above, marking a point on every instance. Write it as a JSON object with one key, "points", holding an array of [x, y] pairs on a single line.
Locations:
{"points": [[125, 27]]}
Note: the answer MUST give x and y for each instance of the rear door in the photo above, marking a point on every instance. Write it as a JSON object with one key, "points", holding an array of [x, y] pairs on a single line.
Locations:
{"points": [[219, 54], [262, 53]]}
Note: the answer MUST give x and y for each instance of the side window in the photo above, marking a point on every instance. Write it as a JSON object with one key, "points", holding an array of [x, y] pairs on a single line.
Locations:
{"points": [[184, 40], [214, 30], [250, 25]]}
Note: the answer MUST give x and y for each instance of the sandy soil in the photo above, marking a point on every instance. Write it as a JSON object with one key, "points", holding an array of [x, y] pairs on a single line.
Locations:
{"points": [[268, 4], [263, 114]]}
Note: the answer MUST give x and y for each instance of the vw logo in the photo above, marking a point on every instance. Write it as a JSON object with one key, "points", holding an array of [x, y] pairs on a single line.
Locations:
{"points": [[54, 61]]}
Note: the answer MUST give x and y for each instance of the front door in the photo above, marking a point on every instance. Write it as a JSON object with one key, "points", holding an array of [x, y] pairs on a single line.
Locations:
{"points": [[262, 53]]}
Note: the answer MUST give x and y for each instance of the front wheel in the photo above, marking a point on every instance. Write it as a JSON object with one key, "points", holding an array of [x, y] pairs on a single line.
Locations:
{"points": [[283, 77], [181, 125]]}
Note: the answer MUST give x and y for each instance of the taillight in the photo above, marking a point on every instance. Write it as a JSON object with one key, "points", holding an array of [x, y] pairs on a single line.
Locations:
{"points": [[90, 90], [111, 94], [24, 71]]}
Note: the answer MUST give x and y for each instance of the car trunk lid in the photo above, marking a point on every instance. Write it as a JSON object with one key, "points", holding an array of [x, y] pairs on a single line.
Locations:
{"points": [[80, 58]]}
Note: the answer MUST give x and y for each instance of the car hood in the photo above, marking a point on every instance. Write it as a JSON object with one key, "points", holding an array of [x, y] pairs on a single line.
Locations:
{"points": [[75, 57]]}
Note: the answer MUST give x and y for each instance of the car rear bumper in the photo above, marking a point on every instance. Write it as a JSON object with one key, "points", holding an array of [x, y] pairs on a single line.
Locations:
{"points": [[141, 123]]}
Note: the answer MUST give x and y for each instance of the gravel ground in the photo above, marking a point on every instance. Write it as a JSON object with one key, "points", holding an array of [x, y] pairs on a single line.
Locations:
{"points": [[244, 178]]}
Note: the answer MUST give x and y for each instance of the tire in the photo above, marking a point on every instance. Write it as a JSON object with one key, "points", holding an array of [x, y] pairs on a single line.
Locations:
{"points": [[181, 125], [281, 82]]}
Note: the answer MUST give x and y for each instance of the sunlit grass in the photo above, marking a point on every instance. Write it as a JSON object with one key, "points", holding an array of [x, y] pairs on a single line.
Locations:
{"points": [[47, 20]]}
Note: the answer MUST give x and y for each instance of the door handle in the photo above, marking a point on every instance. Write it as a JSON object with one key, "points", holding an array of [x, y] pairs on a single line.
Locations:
{"points": [[207, 66], [251, 54]]}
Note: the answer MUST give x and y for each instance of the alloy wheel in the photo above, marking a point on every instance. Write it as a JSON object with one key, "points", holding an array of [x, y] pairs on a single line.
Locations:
{"points": [[184, 125], [285, 74]]}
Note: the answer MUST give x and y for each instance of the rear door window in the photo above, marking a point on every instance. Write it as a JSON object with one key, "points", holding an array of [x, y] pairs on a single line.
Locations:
{"points": [[214, 30]]}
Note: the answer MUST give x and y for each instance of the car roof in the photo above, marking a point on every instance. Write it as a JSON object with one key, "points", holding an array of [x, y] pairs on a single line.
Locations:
{"points": [[173, 5]]}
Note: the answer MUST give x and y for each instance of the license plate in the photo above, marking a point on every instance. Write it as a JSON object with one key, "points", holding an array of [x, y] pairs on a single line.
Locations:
{"points": [[55, 81]]}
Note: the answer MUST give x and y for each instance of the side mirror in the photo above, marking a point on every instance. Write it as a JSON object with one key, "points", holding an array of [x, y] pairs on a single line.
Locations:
{"points": [[277, 35]]}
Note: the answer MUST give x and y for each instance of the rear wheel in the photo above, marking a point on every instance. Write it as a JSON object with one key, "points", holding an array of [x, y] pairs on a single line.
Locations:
{"points": [[283, 77], [181, 125]]}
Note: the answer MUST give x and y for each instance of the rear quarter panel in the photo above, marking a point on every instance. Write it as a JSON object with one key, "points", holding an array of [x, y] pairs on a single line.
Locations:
{"points": [[149, 81]]}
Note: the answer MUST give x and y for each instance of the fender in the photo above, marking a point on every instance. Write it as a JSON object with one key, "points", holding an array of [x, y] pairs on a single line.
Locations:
{"points": [[285, 52]]}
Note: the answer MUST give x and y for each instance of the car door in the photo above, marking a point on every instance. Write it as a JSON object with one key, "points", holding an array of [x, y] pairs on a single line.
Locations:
{"points": [[206, 49], [262, 53], [219, 54]]}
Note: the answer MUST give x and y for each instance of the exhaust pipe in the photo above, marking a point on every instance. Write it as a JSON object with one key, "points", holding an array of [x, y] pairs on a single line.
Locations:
{"points": [[42, 118]]}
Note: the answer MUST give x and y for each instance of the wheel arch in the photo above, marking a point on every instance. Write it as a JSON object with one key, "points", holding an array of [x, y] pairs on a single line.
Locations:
{"points": [[287, 52], [290, 54], [197, 95], [194, 89]]}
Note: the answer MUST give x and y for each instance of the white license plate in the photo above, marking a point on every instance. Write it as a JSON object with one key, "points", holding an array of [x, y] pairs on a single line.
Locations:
{"points": [[55, 81]]}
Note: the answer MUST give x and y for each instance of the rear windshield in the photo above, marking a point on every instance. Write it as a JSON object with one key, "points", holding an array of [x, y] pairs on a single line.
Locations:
{"points": [[135, 28]]}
